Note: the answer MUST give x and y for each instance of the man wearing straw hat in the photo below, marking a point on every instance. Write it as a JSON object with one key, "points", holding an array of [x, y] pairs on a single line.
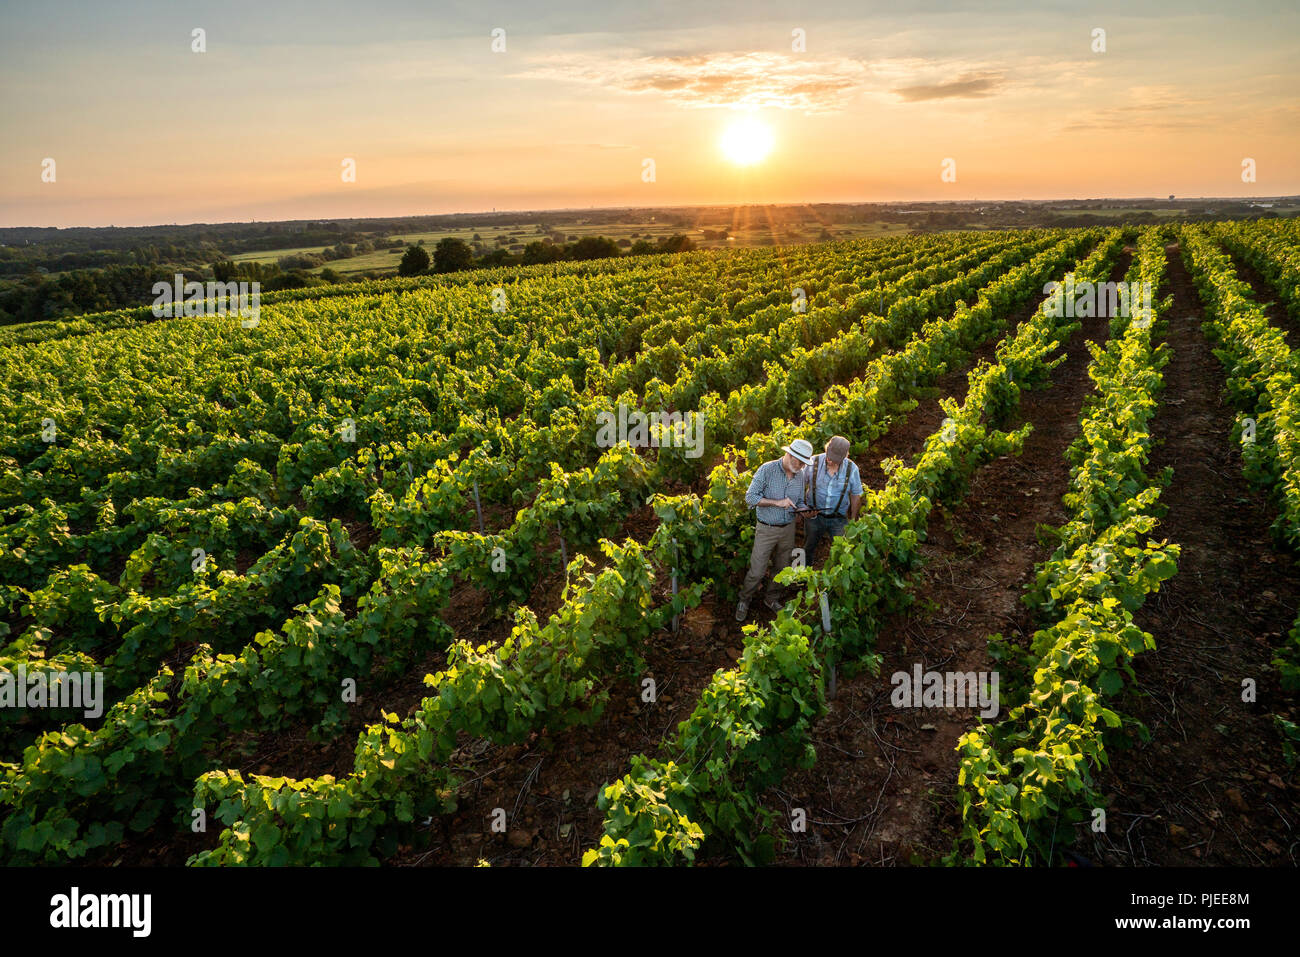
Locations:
{"points": [[775, 494], [833, 493]]}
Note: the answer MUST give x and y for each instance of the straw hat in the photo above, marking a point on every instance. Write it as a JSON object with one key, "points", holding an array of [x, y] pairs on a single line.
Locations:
{"points": [[800, 449]]}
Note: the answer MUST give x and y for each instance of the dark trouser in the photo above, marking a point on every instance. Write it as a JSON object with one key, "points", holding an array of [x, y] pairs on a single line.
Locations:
{"points": [[815, 529]]}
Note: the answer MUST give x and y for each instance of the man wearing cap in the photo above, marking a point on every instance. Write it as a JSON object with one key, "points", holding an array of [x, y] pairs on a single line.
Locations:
{"points": [[833, 493], [776, 494]]}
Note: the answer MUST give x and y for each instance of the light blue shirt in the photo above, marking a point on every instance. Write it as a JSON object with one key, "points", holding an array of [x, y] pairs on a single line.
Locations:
{"points": [[829, 487]]}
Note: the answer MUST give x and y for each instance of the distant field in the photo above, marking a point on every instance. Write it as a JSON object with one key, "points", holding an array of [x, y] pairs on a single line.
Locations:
{"points": [[754, 234], [271, 255]]}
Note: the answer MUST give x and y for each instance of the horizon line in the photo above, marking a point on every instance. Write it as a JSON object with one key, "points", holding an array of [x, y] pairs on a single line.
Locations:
{"points": [[689, 206]]}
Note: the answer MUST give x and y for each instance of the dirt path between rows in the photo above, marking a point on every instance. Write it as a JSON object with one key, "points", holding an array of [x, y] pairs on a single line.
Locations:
{"points": [[1210, 787], [882, 790]]}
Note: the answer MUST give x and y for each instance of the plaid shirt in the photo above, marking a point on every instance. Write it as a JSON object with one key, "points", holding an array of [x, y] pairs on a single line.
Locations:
{"points": [[770, 482]]}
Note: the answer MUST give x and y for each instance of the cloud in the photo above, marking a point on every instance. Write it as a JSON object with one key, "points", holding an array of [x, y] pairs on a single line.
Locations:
{"points": [[1151, 108], [810, 84], [967, 85], [730, 80]]}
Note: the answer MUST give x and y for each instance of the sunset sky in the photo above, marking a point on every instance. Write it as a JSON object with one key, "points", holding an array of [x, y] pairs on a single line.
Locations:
{"points": [[144, 131]]}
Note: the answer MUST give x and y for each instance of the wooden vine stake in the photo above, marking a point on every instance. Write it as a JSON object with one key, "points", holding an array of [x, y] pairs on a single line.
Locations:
{"points": [[826, 627], [564, 552], [676, 618], [478, 507]]}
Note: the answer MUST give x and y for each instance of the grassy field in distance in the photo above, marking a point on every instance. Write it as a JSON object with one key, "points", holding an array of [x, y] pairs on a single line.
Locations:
{"points": [[754, 234]]}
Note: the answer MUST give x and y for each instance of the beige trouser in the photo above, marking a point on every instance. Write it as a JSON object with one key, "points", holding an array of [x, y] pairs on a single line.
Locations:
{"points": [[770, 543]]}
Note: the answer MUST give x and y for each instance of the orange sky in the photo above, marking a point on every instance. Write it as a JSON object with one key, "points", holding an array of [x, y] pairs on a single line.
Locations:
{"points": [[144, 130]]}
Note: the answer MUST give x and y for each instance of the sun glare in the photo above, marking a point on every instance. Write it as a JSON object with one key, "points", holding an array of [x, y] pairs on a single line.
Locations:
{"points": [[746, 141]]}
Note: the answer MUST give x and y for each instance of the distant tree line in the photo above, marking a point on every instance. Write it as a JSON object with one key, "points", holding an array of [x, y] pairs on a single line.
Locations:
{"points": [[37, 297], [24, 250], [453, 254]]}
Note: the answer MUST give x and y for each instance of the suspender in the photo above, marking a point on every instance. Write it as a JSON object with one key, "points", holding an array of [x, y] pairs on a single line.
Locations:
{"points": [[843, 488]]}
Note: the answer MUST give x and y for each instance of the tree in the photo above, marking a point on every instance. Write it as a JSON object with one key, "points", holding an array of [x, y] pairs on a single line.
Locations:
{"points": [[300, 261], [540, 252], [676, 244], [414, 261], [593, 247], [497, 257], [452, 254]]}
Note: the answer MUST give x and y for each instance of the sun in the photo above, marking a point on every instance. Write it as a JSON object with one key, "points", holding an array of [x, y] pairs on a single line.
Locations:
{"points": [[746, 141]]}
